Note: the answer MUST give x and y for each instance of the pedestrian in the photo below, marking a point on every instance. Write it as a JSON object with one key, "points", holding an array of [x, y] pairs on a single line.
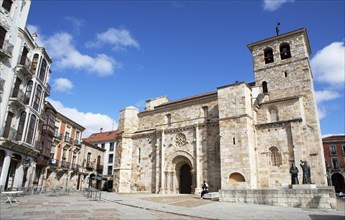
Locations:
{"points": [[204, 188]]}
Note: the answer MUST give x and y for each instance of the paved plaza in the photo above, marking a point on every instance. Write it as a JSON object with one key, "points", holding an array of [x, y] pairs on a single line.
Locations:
{"points": [[150, 206]]}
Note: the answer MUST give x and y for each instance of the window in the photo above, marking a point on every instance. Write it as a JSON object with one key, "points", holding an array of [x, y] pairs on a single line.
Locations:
{"points": [[285, 51], [2, 36], [23, 59], [332, 149], [88, 160], [67, 136], [34, 63], [111, 158], [264, 87], [335, 163], [268, 55], [205, 111], [28, 92], [273, 115], [103, 145], [344, 149], [111, 148], [168, 119], [43, 70], [7, 4], [31, 130], [21, 126], [110, 170], [37, 99], [276, 158]]}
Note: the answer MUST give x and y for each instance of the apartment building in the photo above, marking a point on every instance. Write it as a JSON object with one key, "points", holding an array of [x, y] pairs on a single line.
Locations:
{"points": [[65, 154], [107, 141], [24, 76], [334, 150]]}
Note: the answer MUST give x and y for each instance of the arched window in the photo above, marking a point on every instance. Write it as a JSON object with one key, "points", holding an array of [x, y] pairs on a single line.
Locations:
{"points": [[273, 114], [21, 126], [43, 70], [37, 98], [34, 63], [276, 158], [285, 51], [31, 129], [236, 177], [268, 55], [28, 92], [264, 87], [168, 119]]}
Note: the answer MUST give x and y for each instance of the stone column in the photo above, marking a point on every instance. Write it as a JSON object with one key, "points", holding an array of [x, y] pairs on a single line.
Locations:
{"points": [[192, 172], [166, 184], [177, 182], [173, 188], [5, 170], [197, 169], [162, 190]]}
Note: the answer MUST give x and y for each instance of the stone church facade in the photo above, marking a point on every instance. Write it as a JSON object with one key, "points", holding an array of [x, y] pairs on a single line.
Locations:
{"points": [[241, 136]]}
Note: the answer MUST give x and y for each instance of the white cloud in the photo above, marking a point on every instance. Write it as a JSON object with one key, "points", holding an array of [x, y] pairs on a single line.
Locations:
{"points": [[272, 5], [62, 85], [325, 95], [119, 39], [92, 122], [60, 46], [321, 112], [328, 65], [76, 22]]}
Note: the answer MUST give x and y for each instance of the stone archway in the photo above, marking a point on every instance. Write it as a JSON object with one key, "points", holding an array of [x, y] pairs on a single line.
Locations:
{"points": [[179, 173]]}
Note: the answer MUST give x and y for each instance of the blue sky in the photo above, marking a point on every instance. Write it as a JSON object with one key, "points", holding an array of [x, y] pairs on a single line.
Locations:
{"points": [[108, 55]]}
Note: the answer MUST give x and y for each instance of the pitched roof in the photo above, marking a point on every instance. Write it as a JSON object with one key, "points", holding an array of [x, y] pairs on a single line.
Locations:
{"points": [[101, 136]]}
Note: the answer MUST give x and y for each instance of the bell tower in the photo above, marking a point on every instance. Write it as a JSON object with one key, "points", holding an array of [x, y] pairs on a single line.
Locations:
{"points": [[286, 99]]}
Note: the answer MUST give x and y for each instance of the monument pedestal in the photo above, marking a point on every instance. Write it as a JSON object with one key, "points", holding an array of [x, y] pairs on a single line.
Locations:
{"points": [[304, 186]]}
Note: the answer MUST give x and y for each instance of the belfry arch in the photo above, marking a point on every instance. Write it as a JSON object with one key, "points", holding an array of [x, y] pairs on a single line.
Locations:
{"points": [[179, 173]]}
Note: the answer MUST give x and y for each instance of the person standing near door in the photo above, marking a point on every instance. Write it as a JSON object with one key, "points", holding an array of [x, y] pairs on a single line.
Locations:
{"points": [[204, 188]]}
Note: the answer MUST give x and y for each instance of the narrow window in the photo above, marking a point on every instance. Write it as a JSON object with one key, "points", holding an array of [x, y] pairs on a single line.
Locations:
{"points": [[168, 119], [276, 159], [7, 4], [34, 63], [332, 149], [233, 141], [268, 55], [205, 111], [28, 92], [88, 160], [139, 155], [286, 74], [335, 163], [285, 51], [344, 150], [21, 126], [31, 129], [264, 87], [110, 170], [23, 58], [37, 99], [111, 158], [43, 70], [2, 37]]}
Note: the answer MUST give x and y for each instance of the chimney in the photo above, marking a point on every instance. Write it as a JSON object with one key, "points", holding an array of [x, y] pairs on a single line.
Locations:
{"points": [[101, 130], [34, 36]]}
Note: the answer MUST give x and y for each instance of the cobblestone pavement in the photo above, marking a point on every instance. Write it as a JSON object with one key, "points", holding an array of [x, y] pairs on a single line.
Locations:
{"points": [[150, 206]]}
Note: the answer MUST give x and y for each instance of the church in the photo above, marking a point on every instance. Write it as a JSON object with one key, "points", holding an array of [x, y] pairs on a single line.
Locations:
{"points": [[240, 136]]}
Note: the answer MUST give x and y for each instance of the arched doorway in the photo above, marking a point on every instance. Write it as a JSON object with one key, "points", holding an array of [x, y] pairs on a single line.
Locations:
{"points": [[185, 179], [338, 182]]}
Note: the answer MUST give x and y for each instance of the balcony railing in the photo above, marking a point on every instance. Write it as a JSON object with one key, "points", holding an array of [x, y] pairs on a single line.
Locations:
{"points": [[65, 164], [75, 166], [77, 142], [6, 49], [58, 135], [99, 168], [11, 134], [89, 165], [2, 84], [19, 97], [26, 65], [68, 139]]}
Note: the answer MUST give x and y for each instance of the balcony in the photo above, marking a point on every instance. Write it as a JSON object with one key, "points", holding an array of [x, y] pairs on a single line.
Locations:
{"points": [[2, 85], [75, 167], [38, 145], [68, 140], [89, 165], [65, 164], [24, 66], [57, 136], [11, 135], [99, 168], [17, 99], [6, 49]]}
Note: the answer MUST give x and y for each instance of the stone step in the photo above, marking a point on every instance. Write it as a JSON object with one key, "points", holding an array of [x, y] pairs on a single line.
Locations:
{"points": [[212, 196]]}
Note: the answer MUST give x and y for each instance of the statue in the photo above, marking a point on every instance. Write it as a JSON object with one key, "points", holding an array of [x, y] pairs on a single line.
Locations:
{"points": [[294, 174], [306, 172]]}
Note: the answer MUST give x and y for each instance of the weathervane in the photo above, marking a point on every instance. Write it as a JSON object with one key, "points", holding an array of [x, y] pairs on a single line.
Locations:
{"points": [[277, 28]]}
